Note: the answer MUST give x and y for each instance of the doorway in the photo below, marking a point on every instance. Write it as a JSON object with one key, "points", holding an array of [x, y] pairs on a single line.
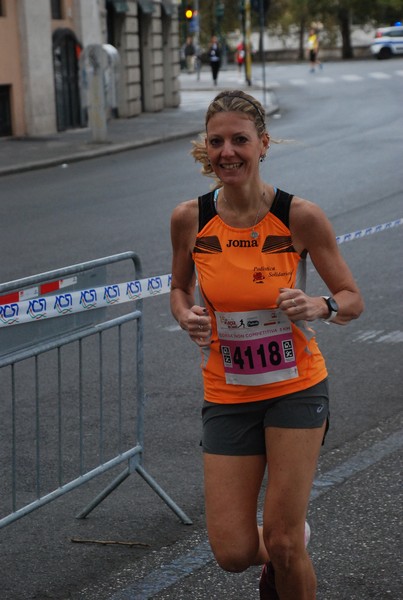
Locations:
{"points": [[5, 111], [66, 51]]}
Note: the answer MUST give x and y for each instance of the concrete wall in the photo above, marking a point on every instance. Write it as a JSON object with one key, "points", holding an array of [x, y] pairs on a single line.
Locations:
{"points": [[37, 65], [147, 43], [87, 21], [10, 64], [148, 48]]}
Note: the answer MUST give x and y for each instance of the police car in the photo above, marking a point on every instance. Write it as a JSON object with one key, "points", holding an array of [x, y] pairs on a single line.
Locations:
{"points": [[388, 42]]}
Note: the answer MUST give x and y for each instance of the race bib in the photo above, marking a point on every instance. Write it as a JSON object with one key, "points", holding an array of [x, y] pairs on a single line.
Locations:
{"points": [[257, 347]]}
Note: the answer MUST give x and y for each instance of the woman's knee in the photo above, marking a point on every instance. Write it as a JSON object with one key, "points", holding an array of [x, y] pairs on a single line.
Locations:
{"points": [[233, 559], [283, 547]]}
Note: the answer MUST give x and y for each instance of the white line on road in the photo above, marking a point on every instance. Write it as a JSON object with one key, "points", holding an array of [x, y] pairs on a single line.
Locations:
{"points": [[379, 75], [352, 77], [393, 337], [325, 80]]}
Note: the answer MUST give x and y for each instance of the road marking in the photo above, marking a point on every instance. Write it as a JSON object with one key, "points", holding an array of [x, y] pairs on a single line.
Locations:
{"points": [[379, 75], [352, 77], [172, 328], [379, 336], [299, 82], [399, 73], [200, 555], [325, 80], [357, 463]]}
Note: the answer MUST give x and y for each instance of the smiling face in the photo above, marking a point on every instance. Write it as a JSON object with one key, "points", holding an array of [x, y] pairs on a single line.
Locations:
{"points": [[234, 147]]}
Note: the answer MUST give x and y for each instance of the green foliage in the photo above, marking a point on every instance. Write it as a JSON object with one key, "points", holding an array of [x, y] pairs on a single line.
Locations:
{"points": [[284, 15]]}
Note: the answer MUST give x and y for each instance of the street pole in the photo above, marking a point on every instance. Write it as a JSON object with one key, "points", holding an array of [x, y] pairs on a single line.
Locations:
{"points": [[196, 37], [248, 57], [197, 25], [262, 57], [219, 9]]}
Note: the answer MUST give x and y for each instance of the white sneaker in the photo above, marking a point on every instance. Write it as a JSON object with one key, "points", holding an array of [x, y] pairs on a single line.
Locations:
{"points": [[307, 533]]}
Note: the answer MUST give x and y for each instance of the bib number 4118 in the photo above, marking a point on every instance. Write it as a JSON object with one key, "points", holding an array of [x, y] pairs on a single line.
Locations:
{"points": [[259, 357]]}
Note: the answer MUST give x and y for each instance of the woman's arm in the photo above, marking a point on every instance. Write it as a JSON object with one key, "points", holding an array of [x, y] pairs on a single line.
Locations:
{"points": [[191, 317], [311, 230]]}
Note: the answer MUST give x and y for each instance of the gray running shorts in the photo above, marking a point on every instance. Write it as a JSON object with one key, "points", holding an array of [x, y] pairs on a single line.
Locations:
{"points": [[239, 429]]}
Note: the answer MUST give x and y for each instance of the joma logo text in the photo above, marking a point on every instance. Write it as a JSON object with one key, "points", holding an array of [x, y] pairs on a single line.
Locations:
{"points": [[242, 244]]}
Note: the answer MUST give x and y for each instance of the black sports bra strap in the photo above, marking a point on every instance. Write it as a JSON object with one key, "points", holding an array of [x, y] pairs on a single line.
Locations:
{"points": [[281, 206], [206, 209]]}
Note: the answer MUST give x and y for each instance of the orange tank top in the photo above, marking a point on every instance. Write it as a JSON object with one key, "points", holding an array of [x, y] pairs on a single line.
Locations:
{"points": [[256, 353]]}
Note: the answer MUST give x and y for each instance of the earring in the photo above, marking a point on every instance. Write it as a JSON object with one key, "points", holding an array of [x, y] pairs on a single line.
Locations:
{"points": [[262, 158]]}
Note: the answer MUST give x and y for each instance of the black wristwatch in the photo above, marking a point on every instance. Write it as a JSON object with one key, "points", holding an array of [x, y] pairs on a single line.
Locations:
{"points": [[333, 308]]}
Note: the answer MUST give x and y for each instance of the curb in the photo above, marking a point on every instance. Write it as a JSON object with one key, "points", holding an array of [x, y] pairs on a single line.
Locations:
{"points": [[115, 148], [105, 150]]}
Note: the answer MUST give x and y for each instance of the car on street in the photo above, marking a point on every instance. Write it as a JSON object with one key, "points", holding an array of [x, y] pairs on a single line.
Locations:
{"points": [[388, 42]]}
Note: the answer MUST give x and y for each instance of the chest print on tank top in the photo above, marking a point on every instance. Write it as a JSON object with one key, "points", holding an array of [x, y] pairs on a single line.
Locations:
{"points": [[262, 274]]}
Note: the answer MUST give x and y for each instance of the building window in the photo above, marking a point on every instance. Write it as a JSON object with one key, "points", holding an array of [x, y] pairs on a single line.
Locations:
{"points": [[5, 110], [56, 8]]}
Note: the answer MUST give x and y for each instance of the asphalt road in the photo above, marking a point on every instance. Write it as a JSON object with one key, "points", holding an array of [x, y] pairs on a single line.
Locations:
{"points": [[343, 150]]}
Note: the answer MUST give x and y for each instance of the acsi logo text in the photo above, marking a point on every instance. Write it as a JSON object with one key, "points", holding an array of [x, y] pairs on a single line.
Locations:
{"points": [[9, 313], [88, 298], [154, 285], [112, 294], [64, 303], [134, 289], [37, 309]]}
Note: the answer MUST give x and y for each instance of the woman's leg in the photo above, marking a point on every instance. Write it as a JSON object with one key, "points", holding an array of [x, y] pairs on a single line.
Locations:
{"points": [[232, 485], [292, 456]]}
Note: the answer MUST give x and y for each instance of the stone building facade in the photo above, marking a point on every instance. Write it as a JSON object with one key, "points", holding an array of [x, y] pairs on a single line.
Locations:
{"points": [[40, 45]]}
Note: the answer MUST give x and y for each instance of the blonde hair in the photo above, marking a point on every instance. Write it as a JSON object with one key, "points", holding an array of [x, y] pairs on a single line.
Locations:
{"points": [[228, 101]]}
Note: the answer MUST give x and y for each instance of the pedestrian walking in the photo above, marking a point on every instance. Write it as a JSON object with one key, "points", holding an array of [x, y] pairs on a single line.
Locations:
{"points": [[240, 56], [214, 53], [266, 401], [313, 49], [190, 55]]}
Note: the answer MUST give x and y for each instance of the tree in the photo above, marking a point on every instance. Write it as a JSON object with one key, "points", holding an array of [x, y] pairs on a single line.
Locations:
{"points": [[344, 18], [377, 11], [285, 15], [333, 13]]}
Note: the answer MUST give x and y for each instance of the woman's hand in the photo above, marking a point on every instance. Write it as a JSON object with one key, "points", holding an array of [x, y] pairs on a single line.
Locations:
{"points": [[298, 306], [198, 325]]}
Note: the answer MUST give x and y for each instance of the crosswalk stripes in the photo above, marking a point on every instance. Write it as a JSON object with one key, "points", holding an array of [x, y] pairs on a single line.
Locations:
{"points": [[195, 100], [379, 75], [324, 79], [298, 82], [351, 77]]}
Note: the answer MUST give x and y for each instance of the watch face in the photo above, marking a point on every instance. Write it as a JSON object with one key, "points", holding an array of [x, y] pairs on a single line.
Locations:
{"points": [[332, 304]]}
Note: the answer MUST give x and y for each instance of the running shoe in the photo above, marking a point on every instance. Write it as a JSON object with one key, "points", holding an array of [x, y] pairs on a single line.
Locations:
{"points": [[267, 586], [307, 533]]}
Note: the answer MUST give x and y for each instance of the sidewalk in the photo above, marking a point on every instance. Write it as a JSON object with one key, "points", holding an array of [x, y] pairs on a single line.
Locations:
{"points": [[24, 154]]}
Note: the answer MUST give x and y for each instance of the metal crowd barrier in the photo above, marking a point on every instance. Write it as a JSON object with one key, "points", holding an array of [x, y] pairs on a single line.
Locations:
{"points": [[73, 395]]}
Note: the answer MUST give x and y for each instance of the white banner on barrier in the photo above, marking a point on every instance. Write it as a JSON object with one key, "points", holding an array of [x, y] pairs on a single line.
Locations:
{"points": [[360, 233], [58, 305]]}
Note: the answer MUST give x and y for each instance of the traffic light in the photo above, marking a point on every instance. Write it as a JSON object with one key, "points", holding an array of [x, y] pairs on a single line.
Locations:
{"points": [[192, 19]]}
